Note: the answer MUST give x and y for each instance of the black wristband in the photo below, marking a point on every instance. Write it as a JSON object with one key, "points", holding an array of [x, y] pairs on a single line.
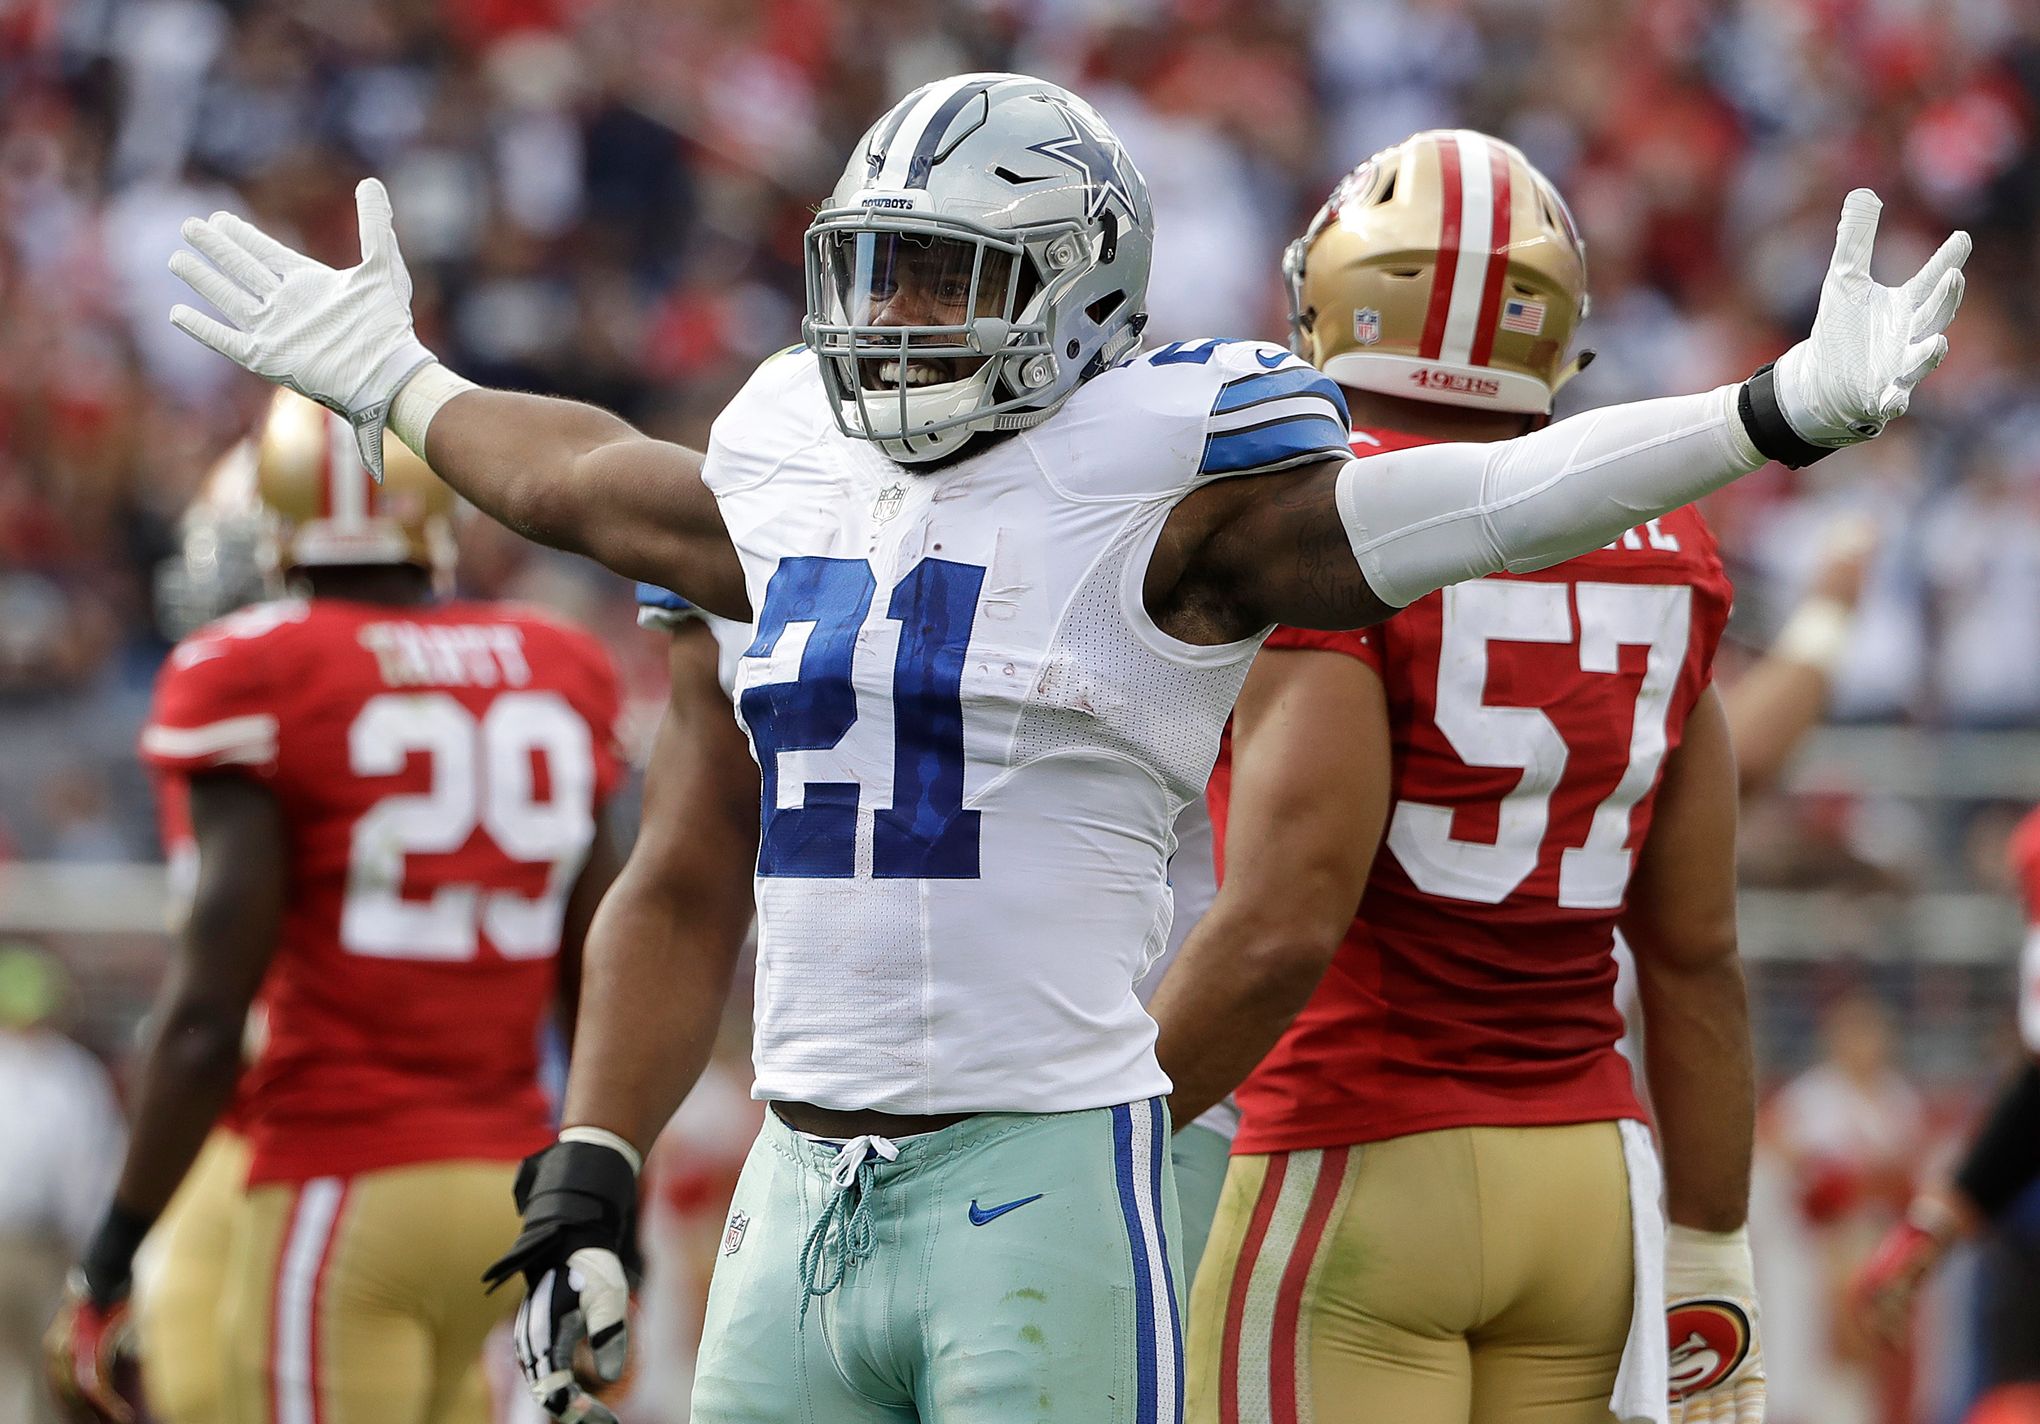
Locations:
{"points": [[109, 1260], [2005, 1157], [1768, 429]]}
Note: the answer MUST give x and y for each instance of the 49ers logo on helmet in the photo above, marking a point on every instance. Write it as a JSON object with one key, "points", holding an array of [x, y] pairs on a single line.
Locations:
{"points": [[1710, 1338], [1431, 378]]}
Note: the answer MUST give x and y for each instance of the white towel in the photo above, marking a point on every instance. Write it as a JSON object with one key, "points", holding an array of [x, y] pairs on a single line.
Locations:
{"points": [[1640, 1383]]}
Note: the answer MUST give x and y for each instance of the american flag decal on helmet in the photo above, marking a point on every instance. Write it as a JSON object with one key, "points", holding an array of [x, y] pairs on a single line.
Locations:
{"points": [[1521, 315]]}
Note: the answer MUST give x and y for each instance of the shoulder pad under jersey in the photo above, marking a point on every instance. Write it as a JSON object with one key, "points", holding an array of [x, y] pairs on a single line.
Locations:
{"points": [[1180, 415]]}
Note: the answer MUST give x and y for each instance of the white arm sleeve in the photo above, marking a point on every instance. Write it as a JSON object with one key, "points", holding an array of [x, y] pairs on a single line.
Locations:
{"points": [[1425, 517]]}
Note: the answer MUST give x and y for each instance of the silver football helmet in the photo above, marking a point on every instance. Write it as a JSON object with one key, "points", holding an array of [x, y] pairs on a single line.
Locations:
{"points": [[984, 253]]}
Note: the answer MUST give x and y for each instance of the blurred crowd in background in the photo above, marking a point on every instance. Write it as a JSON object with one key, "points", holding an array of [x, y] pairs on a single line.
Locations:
{"points": [[605, 199]]}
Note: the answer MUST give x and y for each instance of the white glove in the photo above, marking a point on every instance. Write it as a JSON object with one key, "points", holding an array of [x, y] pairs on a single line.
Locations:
{"points": [[588, 1299], [1717, 1360], [1870, 345], [342, 338]]}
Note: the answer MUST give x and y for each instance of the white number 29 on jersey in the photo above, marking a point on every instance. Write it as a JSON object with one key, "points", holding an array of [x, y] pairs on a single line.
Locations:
{"points": [[482, 773], [1611, 615]]}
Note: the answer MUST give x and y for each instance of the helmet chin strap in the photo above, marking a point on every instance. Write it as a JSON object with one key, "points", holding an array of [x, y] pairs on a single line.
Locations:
{"points": [[1573, 367]]}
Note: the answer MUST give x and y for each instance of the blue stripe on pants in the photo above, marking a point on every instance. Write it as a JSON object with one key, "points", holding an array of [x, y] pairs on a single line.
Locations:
{"points": [[1143, 1285], [1159, 1396], [1157, 1154]]}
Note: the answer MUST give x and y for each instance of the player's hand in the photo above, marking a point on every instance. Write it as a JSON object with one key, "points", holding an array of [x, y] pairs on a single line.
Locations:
{"points": [[1870, 344], [1881, 1295], [342, 338], [84, 1344], [1882, 1292], [577, 1254], [1717, 1360]]}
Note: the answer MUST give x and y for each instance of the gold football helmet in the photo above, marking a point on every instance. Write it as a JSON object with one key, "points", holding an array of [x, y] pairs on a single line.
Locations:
{"points": [[326, 509], [1443, 269]]}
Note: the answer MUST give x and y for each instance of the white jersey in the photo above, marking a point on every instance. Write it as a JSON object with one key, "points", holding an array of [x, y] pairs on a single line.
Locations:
{"points": [[1193, 885], [972, 739]]}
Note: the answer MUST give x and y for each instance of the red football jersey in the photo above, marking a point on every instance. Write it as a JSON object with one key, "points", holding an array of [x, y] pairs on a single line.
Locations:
{"points": [[1529, 719], [440, 771]]}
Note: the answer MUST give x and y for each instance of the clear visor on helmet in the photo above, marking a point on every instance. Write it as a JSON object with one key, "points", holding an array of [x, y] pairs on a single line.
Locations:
{"points": [[919, 309]]}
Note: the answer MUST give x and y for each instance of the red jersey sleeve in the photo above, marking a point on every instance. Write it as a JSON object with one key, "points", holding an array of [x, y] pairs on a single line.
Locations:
{"points": [[1361, 643], [216, 699]]}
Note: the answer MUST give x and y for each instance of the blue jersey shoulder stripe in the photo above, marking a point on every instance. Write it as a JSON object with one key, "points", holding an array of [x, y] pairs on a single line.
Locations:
{"points": [[650, 595], [1289, 440], [1259, 386]]}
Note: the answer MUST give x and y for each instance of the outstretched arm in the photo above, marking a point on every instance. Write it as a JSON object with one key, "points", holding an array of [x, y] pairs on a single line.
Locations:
{"points": [[566, 474], [580, 479], [1267, 549]]}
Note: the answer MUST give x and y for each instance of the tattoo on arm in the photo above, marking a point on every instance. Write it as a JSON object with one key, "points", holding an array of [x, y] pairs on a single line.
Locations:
{"points": [[1301, 567], [1243, 554]]}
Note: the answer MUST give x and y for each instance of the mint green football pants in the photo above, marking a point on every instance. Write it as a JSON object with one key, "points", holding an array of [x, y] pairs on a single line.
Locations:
{"points": [[1010, 1267], [1201, 1157]]}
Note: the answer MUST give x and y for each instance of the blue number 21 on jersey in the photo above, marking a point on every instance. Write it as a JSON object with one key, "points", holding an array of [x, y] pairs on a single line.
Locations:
{"points": [[925, 834]]}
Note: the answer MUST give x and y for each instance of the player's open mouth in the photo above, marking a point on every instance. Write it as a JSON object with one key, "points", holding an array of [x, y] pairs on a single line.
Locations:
{"points": [[921, 371]]}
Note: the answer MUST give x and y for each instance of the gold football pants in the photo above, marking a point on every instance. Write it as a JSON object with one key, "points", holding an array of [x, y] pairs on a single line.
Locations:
{"points": [[177, 1299], [1475, 1275], [358, 1300]]}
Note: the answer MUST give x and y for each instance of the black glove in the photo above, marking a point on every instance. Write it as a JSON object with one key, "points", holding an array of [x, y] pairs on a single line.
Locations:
{"points": [[579, 1259]]}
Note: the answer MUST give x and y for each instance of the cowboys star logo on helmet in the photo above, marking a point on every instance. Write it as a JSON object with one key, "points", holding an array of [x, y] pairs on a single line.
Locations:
{"points": [[1092, 154]]}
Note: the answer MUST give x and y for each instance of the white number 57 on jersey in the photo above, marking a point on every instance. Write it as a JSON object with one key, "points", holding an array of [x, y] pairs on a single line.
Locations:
{"points": [[1594, 875]]}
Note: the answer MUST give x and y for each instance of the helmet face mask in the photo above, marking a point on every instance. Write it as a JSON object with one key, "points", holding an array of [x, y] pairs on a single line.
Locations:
{"points": [[964, 278], [1444, 269], [922, 331]]}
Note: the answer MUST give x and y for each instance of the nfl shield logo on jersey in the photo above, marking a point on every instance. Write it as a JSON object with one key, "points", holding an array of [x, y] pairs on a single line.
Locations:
{"points": [[733, 1236], [888, 502], [1367, 326]]}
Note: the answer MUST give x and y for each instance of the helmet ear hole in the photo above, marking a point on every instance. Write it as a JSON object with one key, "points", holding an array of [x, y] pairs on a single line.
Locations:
{"points": [[1105, 306]]}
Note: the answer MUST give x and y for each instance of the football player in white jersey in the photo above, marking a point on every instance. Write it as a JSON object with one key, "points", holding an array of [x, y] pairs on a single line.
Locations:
{"points": [[1006, 573]]}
